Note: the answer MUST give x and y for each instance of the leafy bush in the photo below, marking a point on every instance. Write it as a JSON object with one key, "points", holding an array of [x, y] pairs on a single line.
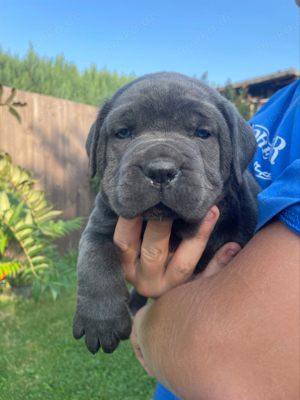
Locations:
{"points": [[27, 231], [96, 183]]}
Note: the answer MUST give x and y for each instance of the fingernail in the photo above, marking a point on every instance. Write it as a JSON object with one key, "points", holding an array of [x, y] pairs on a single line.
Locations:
{"points": [[209, 216], [232, 253]]}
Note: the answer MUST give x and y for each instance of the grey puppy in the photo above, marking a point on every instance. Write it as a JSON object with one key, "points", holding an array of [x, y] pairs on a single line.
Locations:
{"points": [[166, 147]]}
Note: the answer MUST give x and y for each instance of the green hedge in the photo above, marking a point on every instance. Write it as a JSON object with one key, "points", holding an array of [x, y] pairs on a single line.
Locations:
{"points": [[59, 78]]}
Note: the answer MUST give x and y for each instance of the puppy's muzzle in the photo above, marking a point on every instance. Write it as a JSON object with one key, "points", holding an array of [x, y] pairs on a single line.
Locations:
{"points": [[161, 171]]}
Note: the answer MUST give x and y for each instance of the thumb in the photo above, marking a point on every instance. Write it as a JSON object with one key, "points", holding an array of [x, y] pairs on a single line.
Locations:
{"points": [[222, 257]]}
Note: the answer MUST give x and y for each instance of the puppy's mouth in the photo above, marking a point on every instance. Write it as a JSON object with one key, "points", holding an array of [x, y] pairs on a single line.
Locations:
{"points": [[159, 212]]}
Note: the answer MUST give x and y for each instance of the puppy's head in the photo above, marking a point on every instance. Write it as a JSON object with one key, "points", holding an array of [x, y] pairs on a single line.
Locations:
{"points": [[165, 145]]}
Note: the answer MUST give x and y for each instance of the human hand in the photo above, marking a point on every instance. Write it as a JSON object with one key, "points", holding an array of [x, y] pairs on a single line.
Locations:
{"points": [[223, 257], [147, 265]]}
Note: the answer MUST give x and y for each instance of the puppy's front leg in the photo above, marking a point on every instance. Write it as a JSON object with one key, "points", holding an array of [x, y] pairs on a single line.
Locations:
{"points": [[101, 313]]}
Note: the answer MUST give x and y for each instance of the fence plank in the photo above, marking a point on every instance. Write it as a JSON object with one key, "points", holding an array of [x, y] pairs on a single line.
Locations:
{"points": [[51, 143]]}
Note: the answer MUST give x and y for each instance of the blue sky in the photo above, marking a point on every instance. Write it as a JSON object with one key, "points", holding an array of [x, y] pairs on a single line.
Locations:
{"points": [[234, 39]]}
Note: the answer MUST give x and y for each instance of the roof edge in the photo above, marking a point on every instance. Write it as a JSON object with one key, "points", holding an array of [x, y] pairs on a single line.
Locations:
{"points": [[265, 78]]}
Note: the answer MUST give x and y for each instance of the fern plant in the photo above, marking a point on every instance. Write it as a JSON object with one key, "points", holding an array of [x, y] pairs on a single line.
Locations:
{"points": [[11, 104], [27, 231]]}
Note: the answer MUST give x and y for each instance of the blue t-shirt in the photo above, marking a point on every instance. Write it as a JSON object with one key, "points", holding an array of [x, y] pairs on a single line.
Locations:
{"points": [[276, 166]]}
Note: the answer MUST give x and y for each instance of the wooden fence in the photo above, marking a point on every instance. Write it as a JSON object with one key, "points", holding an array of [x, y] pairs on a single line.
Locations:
{"points": [[50, 142]]}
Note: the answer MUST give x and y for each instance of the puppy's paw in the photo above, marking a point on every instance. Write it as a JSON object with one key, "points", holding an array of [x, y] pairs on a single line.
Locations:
{"points": [[102, 330]]}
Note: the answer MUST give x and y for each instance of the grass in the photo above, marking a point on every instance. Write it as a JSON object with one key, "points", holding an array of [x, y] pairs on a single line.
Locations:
{"points": [[40, 359]]}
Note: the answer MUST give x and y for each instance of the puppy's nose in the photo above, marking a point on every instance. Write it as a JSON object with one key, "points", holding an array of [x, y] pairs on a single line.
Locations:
{"points": [[161, 171]]}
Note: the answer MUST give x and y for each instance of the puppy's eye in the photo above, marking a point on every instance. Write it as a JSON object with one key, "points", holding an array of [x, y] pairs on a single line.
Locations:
{"points": [[202, 133], [123, 134]]}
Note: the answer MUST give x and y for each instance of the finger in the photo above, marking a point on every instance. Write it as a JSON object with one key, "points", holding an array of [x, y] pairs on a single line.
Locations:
{"points": [[189, 253], [222, 257], [138, 352], [154, 250], [140, 357], [127, 239], [135, 340]]}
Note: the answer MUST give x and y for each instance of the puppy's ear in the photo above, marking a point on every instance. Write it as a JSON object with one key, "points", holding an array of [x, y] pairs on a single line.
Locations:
{"points": [[89, 145], [95, 143], [243, 142]]}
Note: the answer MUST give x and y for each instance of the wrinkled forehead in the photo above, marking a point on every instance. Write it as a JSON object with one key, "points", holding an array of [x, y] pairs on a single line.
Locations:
{"points": [[178, 105]]}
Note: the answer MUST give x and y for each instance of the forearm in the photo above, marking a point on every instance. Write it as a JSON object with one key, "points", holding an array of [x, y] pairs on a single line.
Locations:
{"points": [[235, 334]]}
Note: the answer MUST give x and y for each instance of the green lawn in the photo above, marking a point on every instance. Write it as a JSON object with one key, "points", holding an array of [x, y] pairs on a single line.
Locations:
{"points": [[39, 359]]}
